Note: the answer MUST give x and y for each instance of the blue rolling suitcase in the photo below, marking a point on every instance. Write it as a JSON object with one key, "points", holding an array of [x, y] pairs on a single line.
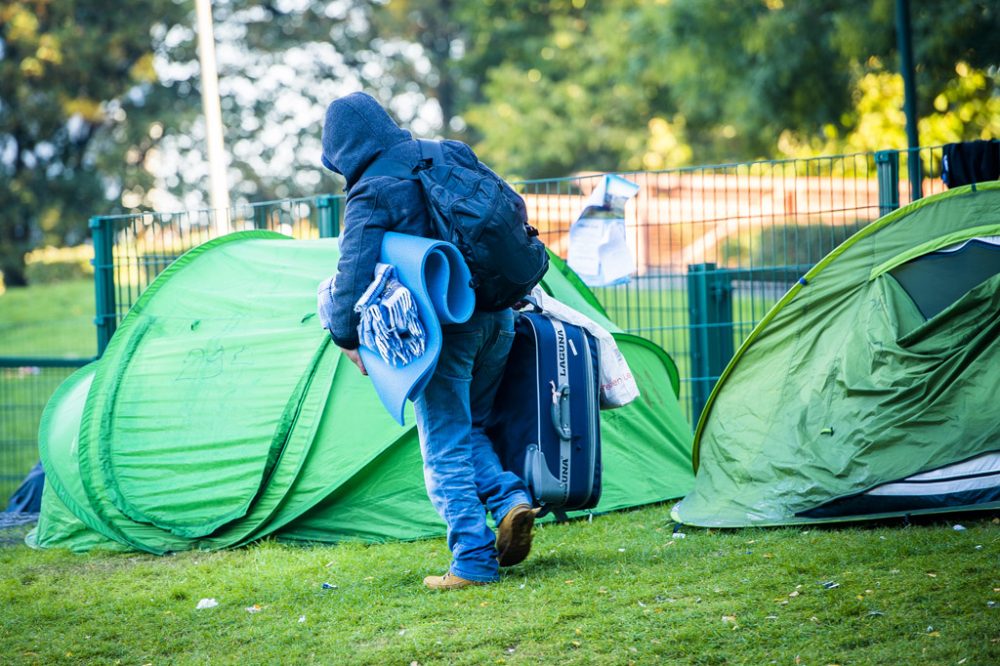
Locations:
{"points": [[546, 418]]}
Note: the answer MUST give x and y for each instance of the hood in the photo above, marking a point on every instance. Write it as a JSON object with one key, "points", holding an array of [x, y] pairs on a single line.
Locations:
{"points": [[356, 131]]}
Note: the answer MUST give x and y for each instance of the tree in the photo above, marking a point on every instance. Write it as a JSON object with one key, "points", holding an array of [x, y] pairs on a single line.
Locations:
{"points": [[426, 60], [637, 84], [79, 112], [584, 95], [281, 63], [100, 108]]}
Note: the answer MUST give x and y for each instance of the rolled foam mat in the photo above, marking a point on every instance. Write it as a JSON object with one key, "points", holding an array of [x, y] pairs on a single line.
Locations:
{"points": [[437, 276]]}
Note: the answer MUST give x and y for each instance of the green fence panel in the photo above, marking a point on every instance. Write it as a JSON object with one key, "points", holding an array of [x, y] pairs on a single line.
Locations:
{"points": [[710, 329], [140, 246], [25, 386], [761, 224], [45, 333], [887, 165]]}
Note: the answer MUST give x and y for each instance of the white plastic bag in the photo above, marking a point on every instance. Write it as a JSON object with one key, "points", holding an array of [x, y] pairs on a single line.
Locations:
{"points": [[618, 387]]}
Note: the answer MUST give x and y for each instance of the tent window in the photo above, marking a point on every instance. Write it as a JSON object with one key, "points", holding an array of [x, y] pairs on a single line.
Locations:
{"points": [[937, 279]]}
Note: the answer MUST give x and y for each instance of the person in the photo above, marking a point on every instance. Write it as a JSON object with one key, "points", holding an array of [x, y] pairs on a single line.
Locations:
{"points": [[462, 473]]}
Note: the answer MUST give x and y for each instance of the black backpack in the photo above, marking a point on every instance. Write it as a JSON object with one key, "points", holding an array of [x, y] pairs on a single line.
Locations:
{"points": [[483, 217]]}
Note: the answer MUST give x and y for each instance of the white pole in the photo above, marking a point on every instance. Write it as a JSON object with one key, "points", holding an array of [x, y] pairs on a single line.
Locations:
{"points": [[218, 189]]}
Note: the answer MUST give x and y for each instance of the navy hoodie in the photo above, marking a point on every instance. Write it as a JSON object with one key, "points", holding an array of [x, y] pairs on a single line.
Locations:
{"points": [[358, 130]]}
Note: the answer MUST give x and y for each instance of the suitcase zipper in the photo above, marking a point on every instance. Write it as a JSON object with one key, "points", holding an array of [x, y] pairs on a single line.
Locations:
{"points": [[535, 479], [562, 405], [591, 414]]}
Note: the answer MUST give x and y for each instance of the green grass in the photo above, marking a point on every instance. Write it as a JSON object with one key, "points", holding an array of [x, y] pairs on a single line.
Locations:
{"points": [[617, 590], [49, 320]]}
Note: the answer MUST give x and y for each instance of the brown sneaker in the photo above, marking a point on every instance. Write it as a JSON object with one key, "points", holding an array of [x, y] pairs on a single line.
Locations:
{"points": [[449, 581], [514, 535]]}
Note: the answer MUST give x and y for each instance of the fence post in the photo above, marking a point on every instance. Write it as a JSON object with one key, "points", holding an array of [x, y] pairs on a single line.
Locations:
{"points": [[710, 329], [259, 216], [887, 169], [916, 170], [329, 215], [105, 318]]}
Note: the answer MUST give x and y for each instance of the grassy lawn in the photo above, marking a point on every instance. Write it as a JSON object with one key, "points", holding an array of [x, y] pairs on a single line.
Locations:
{"points": [[618, 590], [48, 320]]}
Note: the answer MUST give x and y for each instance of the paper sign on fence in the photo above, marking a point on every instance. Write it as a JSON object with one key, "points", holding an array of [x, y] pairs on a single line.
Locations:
{"points": [[598, 251]]}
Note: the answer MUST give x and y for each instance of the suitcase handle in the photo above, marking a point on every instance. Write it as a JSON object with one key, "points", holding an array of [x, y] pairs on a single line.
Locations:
{"points": [[545, 488], [560, 411]]}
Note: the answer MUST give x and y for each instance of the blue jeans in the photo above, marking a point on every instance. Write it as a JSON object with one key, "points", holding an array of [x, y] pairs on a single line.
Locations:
{"points": [[461, 470]]}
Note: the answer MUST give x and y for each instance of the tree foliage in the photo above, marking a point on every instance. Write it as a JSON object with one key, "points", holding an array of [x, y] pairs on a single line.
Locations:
{"points": [[78, 101], [100, 108], [654, 84]]}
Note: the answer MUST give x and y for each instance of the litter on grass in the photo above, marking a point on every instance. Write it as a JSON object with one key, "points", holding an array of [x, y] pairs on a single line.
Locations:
{"points": [[206, 603]]}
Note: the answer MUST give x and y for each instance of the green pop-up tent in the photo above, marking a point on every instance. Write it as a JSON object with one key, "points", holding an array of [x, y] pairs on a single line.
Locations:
{"points": [[221, 413], [871, 389]]}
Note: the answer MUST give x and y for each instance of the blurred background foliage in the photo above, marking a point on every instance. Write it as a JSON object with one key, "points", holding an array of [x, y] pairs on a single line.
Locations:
{"points": [[100, 108]]}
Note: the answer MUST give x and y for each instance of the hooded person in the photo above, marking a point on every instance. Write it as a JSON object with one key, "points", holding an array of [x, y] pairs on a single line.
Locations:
{"points": [[462, 473]]}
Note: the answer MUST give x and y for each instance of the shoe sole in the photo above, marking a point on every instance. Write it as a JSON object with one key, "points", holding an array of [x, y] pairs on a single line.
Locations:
{"points": [[452, 586], [519, 544]]}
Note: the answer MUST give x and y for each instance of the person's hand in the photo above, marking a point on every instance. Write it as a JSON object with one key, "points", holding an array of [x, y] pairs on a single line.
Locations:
{"points": [[355, 359]]}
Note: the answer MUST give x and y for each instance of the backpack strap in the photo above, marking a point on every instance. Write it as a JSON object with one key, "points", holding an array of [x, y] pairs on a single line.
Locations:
{"points": [[431, 154], [393, 168], [431, 151]]}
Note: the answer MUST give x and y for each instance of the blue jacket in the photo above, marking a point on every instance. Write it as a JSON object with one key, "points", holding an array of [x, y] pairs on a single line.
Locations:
{"points": [[357, 130]]}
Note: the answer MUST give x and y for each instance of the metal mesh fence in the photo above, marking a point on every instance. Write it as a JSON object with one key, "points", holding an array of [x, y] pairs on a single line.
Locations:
{"points": [[131, 250], [38, 353], [24, 390], [143, 245], [715, 247]]}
